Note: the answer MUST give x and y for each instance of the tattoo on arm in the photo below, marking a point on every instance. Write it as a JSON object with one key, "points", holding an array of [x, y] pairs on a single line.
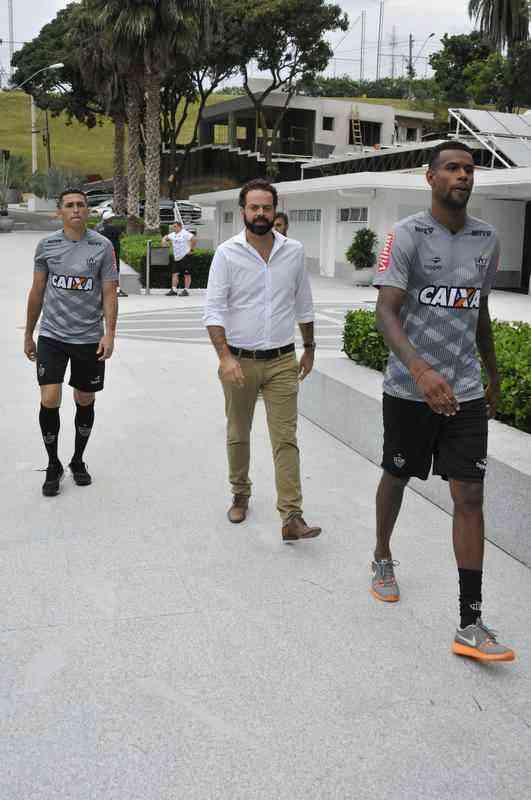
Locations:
{"points": [[485, 340], [218, 339], [306, 331]]}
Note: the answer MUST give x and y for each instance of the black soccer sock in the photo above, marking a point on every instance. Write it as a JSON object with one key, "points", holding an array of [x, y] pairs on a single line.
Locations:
{"points": [[50, 423], [84, 421], [470, 595]]}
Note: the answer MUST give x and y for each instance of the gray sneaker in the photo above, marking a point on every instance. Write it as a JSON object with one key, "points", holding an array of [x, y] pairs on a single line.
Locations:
{"points": [[383, 584], [478, 641]]}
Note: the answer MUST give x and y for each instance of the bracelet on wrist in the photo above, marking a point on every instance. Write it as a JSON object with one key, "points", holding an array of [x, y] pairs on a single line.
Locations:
{"points": [[309, 345]]}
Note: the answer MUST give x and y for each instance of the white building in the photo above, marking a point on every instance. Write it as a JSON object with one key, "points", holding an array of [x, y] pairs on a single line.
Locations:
{"points": [[325, 213]]}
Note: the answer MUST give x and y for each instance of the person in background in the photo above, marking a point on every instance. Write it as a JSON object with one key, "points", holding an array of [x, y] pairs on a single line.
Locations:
{"points": [[183, 243], [112, 233], [281, 223]]}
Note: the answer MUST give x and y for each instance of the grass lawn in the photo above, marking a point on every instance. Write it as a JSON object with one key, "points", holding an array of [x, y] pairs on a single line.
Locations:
{"points": [[73, 145]]}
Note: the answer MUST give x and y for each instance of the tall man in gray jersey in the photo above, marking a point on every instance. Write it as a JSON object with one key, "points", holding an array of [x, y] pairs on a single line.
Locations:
{"points": [[74, 284], [435, 275]]}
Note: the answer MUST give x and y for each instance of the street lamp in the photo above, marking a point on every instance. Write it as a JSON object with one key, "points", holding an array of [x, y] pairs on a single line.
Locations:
{"points": [[34, 129]]}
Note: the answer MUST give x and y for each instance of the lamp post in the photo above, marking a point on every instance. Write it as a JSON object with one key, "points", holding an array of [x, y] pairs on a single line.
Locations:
{"points": [[34, 128]]}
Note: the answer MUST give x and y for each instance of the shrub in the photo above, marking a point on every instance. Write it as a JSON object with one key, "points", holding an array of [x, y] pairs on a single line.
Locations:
{"points": [[361, 252], [365, 345], [134, 250]]}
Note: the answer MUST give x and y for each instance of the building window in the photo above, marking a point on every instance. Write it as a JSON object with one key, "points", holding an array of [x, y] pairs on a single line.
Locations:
{"points": [[360, 214], [228, 217], [221, 134], [328, 123], [411, 134], [302, 215]]}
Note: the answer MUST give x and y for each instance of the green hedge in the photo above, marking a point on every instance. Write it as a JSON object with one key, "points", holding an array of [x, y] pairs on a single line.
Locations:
{"points": [[134, 249], [365, 345]]}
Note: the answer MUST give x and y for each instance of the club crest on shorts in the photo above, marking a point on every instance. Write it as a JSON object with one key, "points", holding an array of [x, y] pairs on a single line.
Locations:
{"points": [[482, 464], [399, 461], [41, 370]]}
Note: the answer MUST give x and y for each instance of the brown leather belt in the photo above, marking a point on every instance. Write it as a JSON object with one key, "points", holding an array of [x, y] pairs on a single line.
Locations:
{"points": [[262, 355]]}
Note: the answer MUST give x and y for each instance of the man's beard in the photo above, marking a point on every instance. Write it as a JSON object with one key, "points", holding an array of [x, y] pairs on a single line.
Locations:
{"points": [[457, 201], [259, 227]]}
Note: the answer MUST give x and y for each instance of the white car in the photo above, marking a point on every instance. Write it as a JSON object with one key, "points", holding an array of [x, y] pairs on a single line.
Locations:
{"points": [[99, 210]]}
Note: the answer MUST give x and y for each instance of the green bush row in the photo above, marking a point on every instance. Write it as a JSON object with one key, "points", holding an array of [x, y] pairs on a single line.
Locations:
{"points": [[134, 250], [365, 345]]}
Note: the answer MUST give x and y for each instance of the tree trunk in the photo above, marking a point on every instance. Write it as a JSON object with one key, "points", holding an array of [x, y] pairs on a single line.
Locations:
{"points": [[133, 171], [120, 192], [152, 213]]}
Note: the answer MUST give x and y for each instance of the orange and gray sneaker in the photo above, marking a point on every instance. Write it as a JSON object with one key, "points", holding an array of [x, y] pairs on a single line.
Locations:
{"points": [[479, 642], [383, 584]]}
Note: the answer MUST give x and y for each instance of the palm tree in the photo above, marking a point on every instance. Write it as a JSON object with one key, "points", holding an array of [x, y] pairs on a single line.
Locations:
{"points": [[147, 30], [101, 74], [503, 22]]}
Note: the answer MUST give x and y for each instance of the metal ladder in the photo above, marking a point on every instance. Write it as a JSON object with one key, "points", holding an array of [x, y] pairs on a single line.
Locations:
{"points": [[355, 126]]}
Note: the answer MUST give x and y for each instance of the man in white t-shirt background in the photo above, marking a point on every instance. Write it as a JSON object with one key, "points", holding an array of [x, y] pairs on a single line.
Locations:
{"points": [[183, 243]]}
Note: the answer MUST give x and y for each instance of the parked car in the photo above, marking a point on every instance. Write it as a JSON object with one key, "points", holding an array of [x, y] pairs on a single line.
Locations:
{"points": [[97, 196], [98, 211]]}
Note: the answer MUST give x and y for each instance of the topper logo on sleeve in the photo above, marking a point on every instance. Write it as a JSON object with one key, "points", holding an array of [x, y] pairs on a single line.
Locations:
{"points": [[72, 283], [385, 255], [450, 296]]}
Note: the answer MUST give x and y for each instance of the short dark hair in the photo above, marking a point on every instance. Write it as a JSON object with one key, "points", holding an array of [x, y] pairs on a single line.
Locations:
{"points": [[440, 148], [262, 185], [70, 190], [283, 217]]}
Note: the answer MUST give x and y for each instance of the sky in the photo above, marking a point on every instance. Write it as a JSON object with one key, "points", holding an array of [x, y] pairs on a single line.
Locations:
{"points": [[419, 17]]}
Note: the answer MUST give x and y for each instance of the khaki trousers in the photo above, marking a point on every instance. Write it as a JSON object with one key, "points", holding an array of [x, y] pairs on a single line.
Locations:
{"points": [[278, 380]]}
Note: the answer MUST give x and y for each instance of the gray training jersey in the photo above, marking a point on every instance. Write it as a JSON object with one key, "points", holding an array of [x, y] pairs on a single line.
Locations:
{"points": [[444, 276], [73, 303]]}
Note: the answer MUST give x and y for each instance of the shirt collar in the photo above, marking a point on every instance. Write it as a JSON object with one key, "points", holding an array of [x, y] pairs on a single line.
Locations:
{"points": [[279, 242]]}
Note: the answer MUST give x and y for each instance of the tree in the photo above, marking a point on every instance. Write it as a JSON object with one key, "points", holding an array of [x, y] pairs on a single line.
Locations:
{"points": [[286, 39], [450, 62], [148, 30], [501, 81], [502, 22]]}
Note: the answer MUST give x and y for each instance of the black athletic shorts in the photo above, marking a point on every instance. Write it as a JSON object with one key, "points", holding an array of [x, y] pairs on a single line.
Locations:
{"points": [[86, 373], [414, 436], [184, 266]]}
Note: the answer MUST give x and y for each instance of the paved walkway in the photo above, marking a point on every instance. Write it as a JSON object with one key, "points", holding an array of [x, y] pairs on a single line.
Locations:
{"points": [[152, 651]]}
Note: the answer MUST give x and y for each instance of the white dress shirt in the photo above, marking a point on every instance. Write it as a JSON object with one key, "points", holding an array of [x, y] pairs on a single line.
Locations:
{"points": [[258, 303]]}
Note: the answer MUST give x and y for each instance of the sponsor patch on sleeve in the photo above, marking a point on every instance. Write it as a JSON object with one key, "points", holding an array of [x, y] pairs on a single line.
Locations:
{"points": [[385, 255]]}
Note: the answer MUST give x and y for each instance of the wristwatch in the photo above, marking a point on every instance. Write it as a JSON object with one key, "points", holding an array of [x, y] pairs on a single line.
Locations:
{"points": [[309, 345]]}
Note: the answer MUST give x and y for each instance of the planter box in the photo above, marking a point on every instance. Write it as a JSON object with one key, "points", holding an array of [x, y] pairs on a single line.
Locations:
{"points": [[6, 224], [363, 277], [345, 400], [40, 204]]}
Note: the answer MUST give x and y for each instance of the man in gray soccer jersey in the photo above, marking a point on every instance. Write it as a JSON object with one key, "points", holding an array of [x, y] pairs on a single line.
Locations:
{"points": [[74, 284], [434, 277]]}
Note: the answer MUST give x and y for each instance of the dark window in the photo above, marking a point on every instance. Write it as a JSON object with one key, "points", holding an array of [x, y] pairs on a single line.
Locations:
{"points": [[411, 135], [328, 123]]}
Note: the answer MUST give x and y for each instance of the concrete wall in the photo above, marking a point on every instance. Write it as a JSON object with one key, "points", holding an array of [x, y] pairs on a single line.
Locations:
{"points": [[345, 400]]}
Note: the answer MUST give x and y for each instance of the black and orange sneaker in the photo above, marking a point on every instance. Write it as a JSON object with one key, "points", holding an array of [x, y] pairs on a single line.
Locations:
{"points": [[479, 642], [383, 584]]}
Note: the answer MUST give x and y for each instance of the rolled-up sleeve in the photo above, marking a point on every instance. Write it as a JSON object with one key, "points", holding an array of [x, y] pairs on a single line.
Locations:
{"points": [[303, 297], [217, 297]]}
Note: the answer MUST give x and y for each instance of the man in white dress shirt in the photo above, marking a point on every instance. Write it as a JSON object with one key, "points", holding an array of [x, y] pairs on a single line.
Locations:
{"points": [[258, 288]]}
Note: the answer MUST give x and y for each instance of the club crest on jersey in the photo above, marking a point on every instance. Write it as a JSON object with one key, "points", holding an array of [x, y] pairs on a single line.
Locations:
{"points": [[385, 255], [450, 296], [91, 262], [481, 262], [72, 283]]}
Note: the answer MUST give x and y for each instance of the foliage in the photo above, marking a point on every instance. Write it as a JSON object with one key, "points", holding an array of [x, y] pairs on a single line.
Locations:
{"points": [[503, 82], [133, 252], [49, 185], [4, 182], [385, 88], [450, 62], [503, 22], [361, 252], [19, 172], [365, 345]]}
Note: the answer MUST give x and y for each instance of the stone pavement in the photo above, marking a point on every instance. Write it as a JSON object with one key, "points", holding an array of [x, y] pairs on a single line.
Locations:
{"points": [[152, 651]]}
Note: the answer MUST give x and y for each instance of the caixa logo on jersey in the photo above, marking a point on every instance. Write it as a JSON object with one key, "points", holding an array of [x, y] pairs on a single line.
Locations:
{"points": [[450, 296], [72, 283]]}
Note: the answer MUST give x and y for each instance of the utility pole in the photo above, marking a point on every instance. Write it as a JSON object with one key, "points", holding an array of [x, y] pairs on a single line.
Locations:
{"points": [[410, 69], [393, 42], [11, 36], [47, 140], [380, 33], [363, 38], [34, 132]]}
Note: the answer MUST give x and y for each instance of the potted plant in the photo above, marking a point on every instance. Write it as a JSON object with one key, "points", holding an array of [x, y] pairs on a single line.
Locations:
{"points": [[362, 255]]}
